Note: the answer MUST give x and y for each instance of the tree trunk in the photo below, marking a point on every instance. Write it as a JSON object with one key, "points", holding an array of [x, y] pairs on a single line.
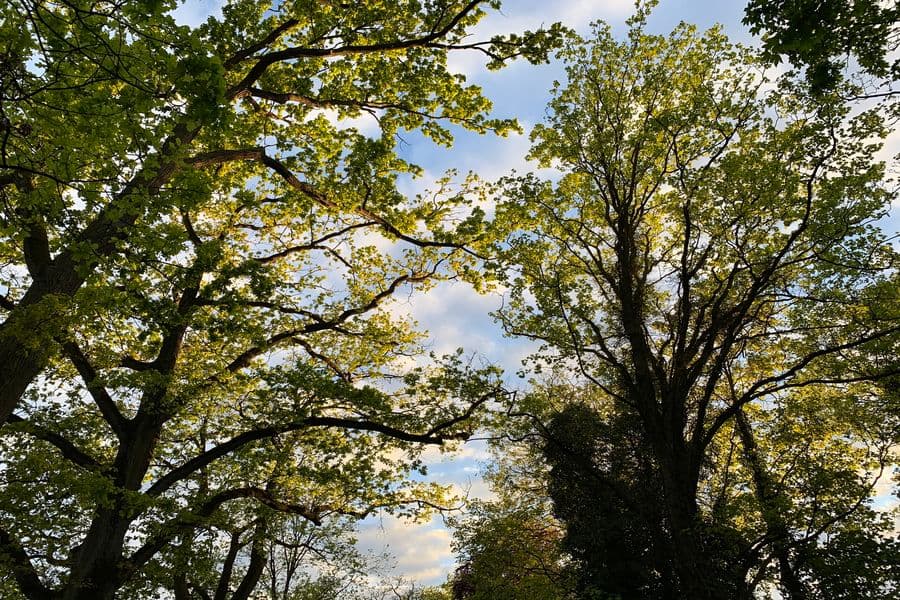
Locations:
{"points": [[776, 527], [254, 568], [697, 567], [96, 571]]}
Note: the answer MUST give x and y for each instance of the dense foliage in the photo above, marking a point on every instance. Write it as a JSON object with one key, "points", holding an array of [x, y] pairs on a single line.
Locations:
{"points": [[196, 261], [823, 35]]}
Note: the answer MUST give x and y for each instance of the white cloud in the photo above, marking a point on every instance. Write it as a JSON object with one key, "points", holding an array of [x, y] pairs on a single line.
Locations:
{"points": [[521, 15], [421, 552]]}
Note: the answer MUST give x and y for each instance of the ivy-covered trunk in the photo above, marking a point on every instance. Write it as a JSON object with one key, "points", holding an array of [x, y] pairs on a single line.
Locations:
{"points": [[695, 576]]}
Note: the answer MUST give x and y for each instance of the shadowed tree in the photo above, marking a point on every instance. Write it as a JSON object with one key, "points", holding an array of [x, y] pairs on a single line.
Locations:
{"points": [[823, 35]]}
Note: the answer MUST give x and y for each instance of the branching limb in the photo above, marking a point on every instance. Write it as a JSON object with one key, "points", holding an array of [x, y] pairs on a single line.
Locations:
{"points": [[305, 188], [189, 519], [427, 40], [99, 393], [69, 450], [435, 436], [321, 324], [779, 381], [18, 561]]}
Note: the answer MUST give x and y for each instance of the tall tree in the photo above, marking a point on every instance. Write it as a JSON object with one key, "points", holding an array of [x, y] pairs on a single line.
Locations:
{"points": [[710, 248], [197, 259]]}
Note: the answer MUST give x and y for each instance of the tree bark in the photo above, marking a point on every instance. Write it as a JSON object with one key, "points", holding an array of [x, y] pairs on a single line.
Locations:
{"points": [[96, 571]]}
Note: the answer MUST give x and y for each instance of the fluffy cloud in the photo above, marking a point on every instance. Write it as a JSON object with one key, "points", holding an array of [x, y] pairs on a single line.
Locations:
{"points": [[195, 12], [421, 552]]}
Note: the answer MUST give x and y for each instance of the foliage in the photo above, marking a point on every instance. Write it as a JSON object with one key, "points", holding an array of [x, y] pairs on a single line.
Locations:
{"points": [[709, 257], [822, 35], [198, 254], [509, 547], [600, 462]]}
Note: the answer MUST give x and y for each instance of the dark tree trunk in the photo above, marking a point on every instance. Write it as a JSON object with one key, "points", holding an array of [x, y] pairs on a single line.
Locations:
{"points": [[96, 573], [776, 527], [699, 567], [254, 569]]}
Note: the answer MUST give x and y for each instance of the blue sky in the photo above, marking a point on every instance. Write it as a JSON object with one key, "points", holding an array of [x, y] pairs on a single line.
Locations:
{"points": [[454, 315]]}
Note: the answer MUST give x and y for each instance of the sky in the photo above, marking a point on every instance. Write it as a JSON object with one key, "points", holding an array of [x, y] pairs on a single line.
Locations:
{"points": [[422, 553]]}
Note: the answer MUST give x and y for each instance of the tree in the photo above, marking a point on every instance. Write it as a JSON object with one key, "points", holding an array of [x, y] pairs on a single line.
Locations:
{"points": [[601, 462], [710, 249], [508, 548], [187, 114], [823, 35], [202, 287]]}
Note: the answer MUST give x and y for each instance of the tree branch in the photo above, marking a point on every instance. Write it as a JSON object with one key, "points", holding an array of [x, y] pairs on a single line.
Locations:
{"points": [[190, 518], [273, 36], [757, 389], [18, 561], [259, 155], [287, 54], [322, 325], [69, 450], [104, 401], [432, 436]]}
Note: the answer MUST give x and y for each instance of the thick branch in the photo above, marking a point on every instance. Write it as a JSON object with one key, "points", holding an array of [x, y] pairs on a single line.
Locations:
{"points": [[69, 450], [67, 271], [264, 43], [234, 547], [18, 561], [432, 436], [288, 54], [254, 570], [104, 401]]}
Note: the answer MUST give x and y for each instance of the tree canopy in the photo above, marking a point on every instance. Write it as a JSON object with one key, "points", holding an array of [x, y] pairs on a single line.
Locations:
{"points": [[197, 254], [708, 257], [206, 382]]}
